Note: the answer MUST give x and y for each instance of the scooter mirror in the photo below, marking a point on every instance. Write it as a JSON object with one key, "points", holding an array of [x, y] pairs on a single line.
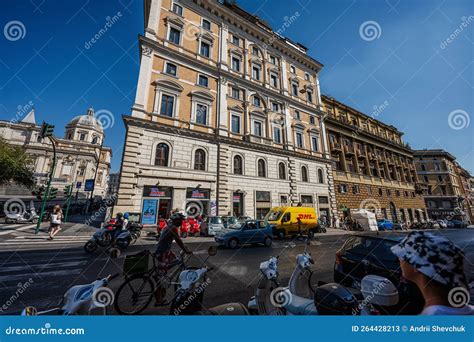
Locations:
{"points": [[30, 311], [379, 290], [212, 250], [114, 253]]}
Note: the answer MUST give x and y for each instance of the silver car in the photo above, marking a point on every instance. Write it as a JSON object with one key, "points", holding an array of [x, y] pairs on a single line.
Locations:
{"points": [[211, 225]]}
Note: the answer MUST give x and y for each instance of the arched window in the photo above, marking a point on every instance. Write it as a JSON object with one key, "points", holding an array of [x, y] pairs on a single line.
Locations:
{"points": [[304, 174], [200, 160], [262, 170], [238, 165], [281, 170], [162, 154], [320, 176]]}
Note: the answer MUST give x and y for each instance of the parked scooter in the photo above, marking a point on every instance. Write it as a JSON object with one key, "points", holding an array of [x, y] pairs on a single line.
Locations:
{"points": [[192, 284], [27, 216], [88, 299], [301, 298], [194, 227], [107, 237], [184, 230]]}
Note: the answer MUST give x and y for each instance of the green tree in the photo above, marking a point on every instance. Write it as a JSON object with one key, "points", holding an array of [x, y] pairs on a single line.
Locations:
{"points": [[16, 166]]}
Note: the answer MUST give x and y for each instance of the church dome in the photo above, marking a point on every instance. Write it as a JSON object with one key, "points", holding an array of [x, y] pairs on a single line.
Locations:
{"points": [[87, 121]]}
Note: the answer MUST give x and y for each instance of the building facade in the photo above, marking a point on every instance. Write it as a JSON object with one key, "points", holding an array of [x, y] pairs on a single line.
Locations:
{"points": [[465, 188], [78, 154], [444, 189], [373, 168], [227, 117]]}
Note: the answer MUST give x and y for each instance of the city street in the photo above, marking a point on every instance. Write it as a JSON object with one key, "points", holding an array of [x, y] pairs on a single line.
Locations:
{"points": [[44, 270]]}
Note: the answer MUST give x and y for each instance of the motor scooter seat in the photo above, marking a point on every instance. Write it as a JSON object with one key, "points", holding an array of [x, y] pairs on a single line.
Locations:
{"points": [[301, 306]]}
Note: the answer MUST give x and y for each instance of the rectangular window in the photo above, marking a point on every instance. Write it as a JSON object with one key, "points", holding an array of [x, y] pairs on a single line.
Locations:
{"points": [[201, 114], [283, 199], [254, 51], [294, 89], [277, 134], [256, 101], [274, 80], [312, 120], [256, 73], [206, 24], [205, 49], [323, 199], [275, 106], [297, 115], [305, 199], [236, 40], [171, 69], [236, 93], [257, 128], [235, 64], [235, 124], [174, 36], [343, 188], [309, 96], [167, 104], [292, 69], [272, 60], [178, 9], [314, 143], [203, 81], [299, 140]]}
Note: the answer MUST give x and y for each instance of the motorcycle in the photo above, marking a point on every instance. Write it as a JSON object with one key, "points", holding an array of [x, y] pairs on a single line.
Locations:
{"points": [[161, 225], [194, 227], [189, 295], [88, 299], [27, 216], [107, 237], [301, 298], [184, 230]]}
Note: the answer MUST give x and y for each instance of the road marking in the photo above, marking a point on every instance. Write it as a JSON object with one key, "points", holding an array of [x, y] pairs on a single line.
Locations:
{"points": [[16, 277], [42, 266], [15, 230]]}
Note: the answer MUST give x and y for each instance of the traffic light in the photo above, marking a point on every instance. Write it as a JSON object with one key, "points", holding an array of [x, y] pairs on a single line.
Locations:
{"points": [[68, 190], [39, 193], [53, 192], [47, 130]]}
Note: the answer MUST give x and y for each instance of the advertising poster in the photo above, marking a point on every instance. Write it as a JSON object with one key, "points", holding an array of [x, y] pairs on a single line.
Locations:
{"points": [[149, 211]]}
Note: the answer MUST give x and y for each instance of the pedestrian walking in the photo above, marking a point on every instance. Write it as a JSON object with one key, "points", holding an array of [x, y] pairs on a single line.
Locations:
{"points": [[56, 218]]}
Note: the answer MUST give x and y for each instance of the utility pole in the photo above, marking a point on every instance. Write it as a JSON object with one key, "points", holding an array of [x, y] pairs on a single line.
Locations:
{"points": [[95, 174], [47, 132]]}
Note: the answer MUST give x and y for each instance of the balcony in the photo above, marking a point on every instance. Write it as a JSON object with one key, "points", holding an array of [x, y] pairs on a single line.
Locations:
{"points": [[335, 147], [361, 154], [390, 161], [258, 139], [349, 150]]}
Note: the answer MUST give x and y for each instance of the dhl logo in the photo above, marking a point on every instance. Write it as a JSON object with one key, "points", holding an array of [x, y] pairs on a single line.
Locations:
{"points": [[305, 216]]}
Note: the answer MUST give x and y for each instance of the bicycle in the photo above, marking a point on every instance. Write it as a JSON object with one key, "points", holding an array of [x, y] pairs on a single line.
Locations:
{"points": [[137, 291]]}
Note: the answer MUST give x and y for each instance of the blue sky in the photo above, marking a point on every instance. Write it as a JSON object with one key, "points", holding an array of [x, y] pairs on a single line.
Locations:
{"points": [[401, 68]]}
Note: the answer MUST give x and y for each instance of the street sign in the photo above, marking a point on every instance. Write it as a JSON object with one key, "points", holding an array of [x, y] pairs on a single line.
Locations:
{"points": [[78, 185], [89, 185]]}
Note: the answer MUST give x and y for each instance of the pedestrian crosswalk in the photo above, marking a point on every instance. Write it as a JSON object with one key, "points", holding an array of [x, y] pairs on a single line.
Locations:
{"points": [[42, 276], [15, 228]]}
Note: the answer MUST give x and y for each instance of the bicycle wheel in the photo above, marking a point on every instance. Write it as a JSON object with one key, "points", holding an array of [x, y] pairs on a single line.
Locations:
{"points": [[134, 295]]}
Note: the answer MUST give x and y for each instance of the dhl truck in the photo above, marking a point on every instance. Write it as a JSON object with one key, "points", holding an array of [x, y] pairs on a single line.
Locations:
{"points": [[289, 220]]}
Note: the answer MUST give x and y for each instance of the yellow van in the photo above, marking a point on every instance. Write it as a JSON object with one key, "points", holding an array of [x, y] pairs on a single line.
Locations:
{"points": [[284, 220]]}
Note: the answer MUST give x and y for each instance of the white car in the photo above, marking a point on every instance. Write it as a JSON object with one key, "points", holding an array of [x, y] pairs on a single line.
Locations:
{"points": [[211, 225]]}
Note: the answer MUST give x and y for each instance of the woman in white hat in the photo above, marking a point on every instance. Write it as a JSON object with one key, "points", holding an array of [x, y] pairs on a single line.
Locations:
{"points": [[436, 266]]}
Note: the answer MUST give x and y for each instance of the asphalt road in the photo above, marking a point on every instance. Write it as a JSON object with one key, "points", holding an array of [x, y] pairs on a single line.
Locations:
{"points": [[45, 272]]}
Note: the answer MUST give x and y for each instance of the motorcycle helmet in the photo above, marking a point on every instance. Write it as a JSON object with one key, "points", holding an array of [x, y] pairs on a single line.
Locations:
{"points": [[335, 299], [119, 215], [177, 218], [126, 216]]}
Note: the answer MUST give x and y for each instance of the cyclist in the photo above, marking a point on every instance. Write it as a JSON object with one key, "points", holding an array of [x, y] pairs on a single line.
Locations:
{"points": [[436, 266], [163, 250]]}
